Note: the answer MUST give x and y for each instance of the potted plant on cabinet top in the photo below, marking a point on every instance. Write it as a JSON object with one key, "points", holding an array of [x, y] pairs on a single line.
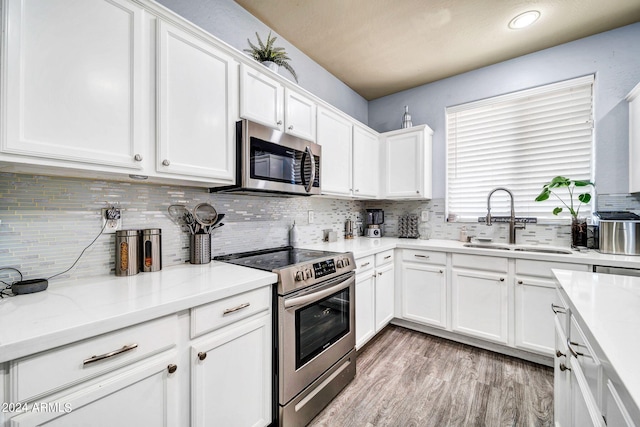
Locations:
{"points": [[267, 54], [578, 225]]}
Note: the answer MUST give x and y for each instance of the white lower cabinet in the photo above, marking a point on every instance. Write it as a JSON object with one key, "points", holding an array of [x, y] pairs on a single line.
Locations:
{"points": [[479, 298], [141, 375], [384, 295], [375, 295], [424, 287], [535, 291], [561, 379], [365, 304], [127, 377], [231, 376], [142, 395]]}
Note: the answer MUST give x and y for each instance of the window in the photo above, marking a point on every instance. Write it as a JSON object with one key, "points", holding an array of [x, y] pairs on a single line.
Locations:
{"points": [[519, 141]]}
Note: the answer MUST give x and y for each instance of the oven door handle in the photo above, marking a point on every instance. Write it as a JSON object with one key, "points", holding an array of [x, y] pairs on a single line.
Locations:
{"points": [[305, 299]]}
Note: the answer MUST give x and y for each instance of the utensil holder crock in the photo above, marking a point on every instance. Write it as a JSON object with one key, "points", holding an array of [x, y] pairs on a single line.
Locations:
{"points": [[200, 252]]}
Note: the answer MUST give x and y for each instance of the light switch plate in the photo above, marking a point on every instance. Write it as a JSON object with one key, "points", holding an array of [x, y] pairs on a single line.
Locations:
{"points": [[424, 216], [311, 217]]}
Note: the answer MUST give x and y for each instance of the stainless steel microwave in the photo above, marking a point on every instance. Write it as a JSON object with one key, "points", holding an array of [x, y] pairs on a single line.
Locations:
{"points": [[271, 161]]}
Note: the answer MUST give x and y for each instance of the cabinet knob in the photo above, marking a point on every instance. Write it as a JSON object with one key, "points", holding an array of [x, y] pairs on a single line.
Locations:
{"points": [[563, 367], [417, 191], [290, 127], [202, 355], [440, 271], [166, 162], [137, 158], [520, 282], [172, 368], [502, 279], [279, 122], [560, 354]]}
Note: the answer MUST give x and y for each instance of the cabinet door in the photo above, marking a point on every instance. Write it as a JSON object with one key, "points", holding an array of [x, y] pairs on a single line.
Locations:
{"points": [[335, 137], [365, 307], [146, 395], [584, 410], [74, 83], [196, 107], [534, 318], [366, 163], [299, 115], [384, 296], [634, 139], [479, 304], [424, 294], [561, 379], [231, 376], [404, 169], [261, 98]]}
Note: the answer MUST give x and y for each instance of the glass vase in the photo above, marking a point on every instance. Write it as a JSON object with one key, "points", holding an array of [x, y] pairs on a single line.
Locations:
{"points": [[578, 233]]}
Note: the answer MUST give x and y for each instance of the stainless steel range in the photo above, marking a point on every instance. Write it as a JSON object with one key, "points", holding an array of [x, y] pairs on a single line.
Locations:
{"points": [[315, 318]]}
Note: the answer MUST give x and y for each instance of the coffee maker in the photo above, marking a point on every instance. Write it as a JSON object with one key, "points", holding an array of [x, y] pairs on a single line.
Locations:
{"points": [[375, 223]]}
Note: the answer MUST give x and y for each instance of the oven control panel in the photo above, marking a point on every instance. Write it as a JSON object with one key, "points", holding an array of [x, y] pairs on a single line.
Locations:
{"points": [[321, 269], [324, 268]]}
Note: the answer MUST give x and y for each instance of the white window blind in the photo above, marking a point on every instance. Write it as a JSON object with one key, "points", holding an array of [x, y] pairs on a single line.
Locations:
{"points": [[519, 141]]}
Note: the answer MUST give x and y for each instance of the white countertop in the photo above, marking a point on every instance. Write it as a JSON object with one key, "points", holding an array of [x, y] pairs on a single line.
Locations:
{"points": [[68, 312], [363, 246], [609, 306]]}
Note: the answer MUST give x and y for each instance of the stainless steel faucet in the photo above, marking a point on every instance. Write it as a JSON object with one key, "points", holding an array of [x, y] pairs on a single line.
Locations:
{"points": [[512, 221]]}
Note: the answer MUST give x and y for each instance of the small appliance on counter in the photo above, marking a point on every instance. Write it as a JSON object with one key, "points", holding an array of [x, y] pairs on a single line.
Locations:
{"points": [[375, 223], [619, 232]]}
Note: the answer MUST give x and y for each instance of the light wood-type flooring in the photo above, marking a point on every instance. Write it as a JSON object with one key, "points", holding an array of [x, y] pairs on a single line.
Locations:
{"points": [[406, 378]]}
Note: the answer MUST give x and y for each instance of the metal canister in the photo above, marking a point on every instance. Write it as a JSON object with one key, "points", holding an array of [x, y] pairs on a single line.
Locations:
{"points": [[151, 250], [127, 252]]}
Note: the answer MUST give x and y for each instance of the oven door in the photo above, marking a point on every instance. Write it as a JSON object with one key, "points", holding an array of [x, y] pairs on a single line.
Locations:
{"points": [[316, 329]]}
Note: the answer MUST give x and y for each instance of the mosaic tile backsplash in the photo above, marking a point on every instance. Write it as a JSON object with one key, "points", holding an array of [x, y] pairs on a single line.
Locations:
{"points": [[47, 221]]}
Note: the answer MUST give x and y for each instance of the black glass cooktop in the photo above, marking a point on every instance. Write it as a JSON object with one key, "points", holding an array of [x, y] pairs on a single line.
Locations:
{"points": [[275, 259]]}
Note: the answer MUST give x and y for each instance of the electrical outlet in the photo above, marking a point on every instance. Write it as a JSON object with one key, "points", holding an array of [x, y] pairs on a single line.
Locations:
{"points": [[112, 217], [311, 217], [424, 216]]}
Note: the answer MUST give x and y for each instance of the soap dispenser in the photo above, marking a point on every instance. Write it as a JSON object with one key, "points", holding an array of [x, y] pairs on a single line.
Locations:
{"points": [[463, 234], [293, 235]]}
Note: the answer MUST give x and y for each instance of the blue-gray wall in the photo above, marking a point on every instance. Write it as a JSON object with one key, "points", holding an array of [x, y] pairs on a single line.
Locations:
{"points": [[232, 24], [612, 56]]}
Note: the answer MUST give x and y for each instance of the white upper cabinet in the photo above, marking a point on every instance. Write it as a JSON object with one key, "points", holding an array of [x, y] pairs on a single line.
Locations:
{"points": [[300, 115], [407, 159], [634, 139], [197, 105], [335, 137], [74, 81], [261, 98], [366, 163]]}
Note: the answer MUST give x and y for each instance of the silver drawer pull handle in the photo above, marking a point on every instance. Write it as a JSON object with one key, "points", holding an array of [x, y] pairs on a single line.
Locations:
{"points": [[387, 257], [124, 349], [571, 350], [557, 309], [365, 264], [234, 309], [422, 256]]}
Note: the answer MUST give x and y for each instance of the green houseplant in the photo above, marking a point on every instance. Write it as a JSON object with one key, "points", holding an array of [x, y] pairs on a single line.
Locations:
{"points": [[573, 186], [266, 52]]}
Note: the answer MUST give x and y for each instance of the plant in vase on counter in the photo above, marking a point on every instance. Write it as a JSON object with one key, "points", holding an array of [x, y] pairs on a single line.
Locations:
{"points": [[573, 186]]}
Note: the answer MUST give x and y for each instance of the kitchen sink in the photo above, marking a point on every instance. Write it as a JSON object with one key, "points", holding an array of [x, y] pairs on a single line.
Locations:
{"points": [[544, 250], [487, 246], [536, 249]]}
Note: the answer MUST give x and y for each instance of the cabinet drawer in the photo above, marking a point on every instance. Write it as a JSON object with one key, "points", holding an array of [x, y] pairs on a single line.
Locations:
{"points": [[383, 258], [365, 263], [480, 262], [63, 366], [209, 317], [543, 268], [429, 257]]}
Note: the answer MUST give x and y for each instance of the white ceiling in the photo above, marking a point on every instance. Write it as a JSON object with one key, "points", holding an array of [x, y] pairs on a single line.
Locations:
{"points": [[379, 47]]}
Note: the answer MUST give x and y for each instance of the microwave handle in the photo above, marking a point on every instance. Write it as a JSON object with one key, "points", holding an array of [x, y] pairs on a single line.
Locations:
{"points": [[313, 170], [315, 296]]}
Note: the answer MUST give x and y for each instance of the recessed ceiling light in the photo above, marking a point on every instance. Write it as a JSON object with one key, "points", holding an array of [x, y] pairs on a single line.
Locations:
{"points": [[524, 19]]}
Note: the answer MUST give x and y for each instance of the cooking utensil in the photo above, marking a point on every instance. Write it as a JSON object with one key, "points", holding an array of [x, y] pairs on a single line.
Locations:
{"points": [[176, 212], [190, 222], [205, 215], [208, 230]]}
